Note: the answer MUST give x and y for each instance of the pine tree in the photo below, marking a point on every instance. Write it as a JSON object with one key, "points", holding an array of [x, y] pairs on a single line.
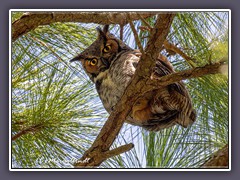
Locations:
{"points": [[56, 112]]}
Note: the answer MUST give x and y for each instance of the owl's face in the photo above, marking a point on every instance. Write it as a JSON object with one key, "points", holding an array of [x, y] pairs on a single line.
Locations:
{"points": [[99, 55], [110, 49]]}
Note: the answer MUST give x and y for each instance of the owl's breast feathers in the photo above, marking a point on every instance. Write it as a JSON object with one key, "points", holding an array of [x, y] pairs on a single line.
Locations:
{"points": [[112, 82], [107, 89]]}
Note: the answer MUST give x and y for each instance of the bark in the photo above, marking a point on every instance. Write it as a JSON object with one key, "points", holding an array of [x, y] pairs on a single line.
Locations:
{"points": [[220, 159], [28, 130], [30, 21], [172, 50], [187, 74]]}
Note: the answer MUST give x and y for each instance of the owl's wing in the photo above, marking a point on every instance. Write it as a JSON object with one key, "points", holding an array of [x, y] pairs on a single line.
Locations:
{"points": [[163, 68], [174, 99], [166, 106]]}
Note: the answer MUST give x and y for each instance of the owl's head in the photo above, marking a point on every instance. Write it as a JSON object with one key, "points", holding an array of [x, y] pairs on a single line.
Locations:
{"points": [[99, 55]]}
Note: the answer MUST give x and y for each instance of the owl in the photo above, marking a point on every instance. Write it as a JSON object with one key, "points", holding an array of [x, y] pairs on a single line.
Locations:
{"points": [[110, 64]]}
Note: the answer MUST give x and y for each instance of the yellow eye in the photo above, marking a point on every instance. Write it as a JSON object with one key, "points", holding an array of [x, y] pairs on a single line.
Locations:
{"points": [[107, 48], [94, 62]]}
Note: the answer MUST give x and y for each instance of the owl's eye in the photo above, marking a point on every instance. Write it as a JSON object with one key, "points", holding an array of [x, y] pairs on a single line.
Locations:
{"points": [[107, 48], [93, 62]]}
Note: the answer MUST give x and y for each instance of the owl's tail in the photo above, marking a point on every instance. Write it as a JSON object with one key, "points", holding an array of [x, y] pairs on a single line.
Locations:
{"points": [[185, 121], [161, 121], [171, 118]]}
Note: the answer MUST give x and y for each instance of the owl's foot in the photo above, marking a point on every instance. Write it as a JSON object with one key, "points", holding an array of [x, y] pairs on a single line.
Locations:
{"points": [[142, 114], [141, 111]]}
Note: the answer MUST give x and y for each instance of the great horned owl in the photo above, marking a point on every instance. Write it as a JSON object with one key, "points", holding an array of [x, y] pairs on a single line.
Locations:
{"points": [[110, 64]]}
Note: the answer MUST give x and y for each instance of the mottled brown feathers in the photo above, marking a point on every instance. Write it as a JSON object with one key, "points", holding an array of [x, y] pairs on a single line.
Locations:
{"points": [[116, 64]]}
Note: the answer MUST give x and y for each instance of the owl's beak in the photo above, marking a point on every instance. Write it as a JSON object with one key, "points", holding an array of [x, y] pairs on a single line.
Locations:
{"points": [[105, 62], [74, 59]]}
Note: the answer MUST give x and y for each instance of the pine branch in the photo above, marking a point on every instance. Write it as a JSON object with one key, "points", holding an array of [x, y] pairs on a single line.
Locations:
{"points": [[28, 130], [220, 159], [96, 153], [171, 48], [135, 34], [30, 21], [215, 68]]}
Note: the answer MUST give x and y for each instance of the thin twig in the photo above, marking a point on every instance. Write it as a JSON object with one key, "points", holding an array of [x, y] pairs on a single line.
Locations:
{"points": [[135, 35], [145, 22], [121, 31], [171, 47]]}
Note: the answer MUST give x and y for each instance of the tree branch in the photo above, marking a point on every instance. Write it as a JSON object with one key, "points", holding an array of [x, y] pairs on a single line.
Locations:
{"points": [[172, 48], [135, 34], [99, 158], [220, 159], [149, 27], [28, 130], [116, 119], [187, 74], [30, 21]]}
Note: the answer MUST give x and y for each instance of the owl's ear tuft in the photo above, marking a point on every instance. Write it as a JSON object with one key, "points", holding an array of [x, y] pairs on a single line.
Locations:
{"points": [[77, 58], [98, 29], [103, 32], [105, 28]]}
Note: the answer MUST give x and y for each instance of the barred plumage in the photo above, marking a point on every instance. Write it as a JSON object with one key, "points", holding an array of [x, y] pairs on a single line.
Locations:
{"points": [[110, 64]]}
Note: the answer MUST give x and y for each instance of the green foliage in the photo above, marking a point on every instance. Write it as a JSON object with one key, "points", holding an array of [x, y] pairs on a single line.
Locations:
{"points": [[205, 38], [56, 112], [16, 15]]}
